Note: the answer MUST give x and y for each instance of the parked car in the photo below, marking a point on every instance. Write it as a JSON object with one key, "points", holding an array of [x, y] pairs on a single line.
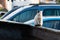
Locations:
{"points": [[26, 14]]}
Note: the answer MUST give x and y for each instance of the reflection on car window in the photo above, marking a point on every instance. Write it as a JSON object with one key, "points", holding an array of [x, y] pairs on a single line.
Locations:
{"points": [[25, 16], [51, 12], [52, 24]]}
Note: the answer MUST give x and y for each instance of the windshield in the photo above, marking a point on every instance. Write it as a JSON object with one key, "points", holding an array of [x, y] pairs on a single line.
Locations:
{"points": [[10, 12]]}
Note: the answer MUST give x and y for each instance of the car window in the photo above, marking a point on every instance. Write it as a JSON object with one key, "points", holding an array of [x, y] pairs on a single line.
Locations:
{"points": [[52, 24], [25, 16], [51, 12]]}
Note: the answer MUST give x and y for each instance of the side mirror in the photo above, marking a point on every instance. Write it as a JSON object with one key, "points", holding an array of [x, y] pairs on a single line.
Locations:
{"points": [[2, 14]]}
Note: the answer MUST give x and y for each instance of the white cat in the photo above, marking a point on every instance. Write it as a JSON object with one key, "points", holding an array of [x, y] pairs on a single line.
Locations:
{"points": [[38, 19]]}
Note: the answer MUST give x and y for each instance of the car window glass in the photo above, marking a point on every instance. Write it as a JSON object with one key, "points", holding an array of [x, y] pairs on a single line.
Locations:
{"points": [[52, 24], [25, 16], [51, 12]]}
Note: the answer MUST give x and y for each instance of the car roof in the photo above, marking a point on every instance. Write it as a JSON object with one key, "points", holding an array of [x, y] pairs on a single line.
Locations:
{"points": [[49, 5]]}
